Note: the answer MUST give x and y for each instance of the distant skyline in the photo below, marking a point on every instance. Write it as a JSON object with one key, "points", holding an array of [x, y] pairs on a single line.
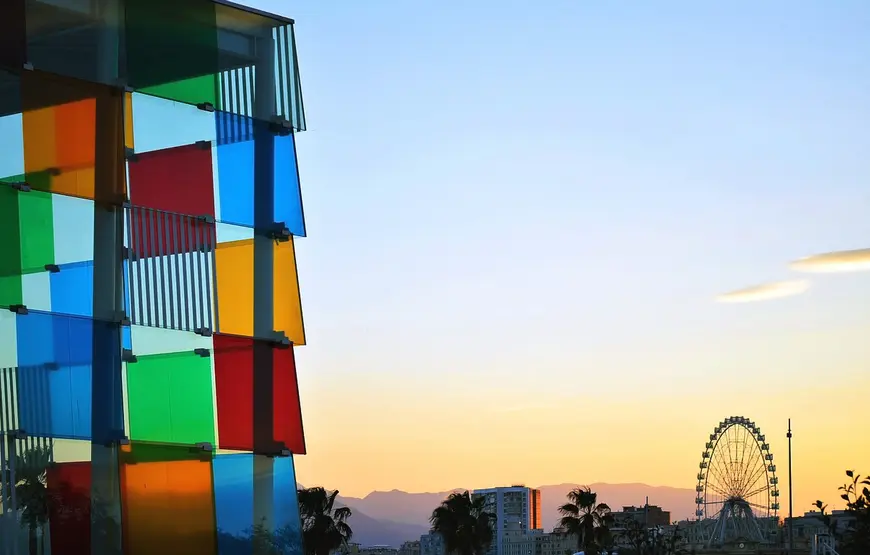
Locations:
{"points": [[520, 217]]}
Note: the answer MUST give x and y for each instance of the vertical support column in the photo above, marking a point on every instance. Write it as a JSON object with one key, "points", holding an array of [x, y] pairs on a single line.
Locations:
{"points": [[264, 204], [109, 179]]}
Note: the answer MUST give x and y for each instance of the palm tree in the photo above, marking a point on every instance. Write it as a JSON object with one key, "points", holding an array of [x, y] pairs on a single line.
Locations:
{"points": [[464, 524], [31, 492], [586, 519], [324, 526]]}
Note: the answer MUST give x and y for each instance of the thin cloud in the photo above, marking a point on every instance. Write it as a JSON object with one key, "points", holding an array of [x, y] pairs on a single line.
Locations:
{"points": [[834, 262], [764, 292]]}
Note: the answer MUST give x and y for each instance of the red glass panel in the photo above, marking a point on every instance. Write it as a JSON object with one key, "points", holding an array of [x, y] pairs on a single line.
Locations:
{"points": [[236, 406], [285, 401], [69, 507], [174, 179]]}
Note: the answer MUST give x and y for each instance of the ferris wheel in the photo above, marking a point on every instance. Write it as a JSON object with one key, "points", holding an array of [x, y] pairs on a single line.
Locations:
{"points": [[737, 483]]}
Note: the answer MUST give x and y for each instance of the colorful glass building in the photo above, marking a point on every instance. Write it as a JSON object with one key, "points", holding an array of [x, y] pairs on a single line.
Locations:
{"points": [[149, 301]]}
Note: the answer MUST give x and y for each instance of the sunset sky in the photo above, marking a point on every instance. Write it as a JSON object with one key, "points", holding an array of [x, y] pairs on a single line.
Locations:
{"points": [[556, 242], [520, 218]]}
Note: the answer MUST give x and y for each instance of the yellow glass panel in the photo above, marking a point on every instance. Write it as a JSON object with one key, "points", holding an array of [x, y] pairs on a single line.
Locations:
{"points": [[168, 508], [235, 290], [287, 303], [235, 287]]}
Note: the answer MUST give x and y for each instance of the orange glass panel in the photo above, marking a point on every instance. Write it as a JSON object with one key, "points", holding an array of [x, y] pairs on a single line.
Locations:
{"points": [[62, 140], [76, 133], [235, 290], [39, 139], [168, 507], [128, 121]]}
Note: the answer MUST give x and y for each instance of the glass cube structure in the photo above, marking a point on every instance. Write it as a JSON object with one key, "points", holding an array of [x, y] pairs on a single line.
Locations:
{"points": [[149, 299]]}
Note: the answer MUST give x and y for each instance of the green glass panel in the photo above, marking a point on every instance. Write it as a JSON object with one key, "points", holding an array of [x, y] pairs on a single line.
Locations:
{"points": [[11, 291], [191, 91], [168, 41], [37, 230], [10, 231], [170, 399]]}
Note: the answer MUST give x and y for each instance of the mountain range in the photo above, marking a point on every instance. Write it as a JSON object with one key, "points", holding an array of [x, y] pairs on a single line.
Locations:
{"points": [[392, 517]]}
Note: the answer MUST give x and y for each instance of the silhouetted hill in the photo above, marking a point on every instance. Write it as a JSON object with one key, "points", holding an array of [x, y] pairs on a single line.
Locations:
{"points": [[414, 508], [368, 531]]}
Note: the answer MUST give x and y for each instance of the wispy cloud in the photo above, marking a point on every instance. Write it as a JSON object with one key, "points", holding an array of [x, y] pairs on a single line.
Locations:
{"points": [[834, 262], [764, 292]]}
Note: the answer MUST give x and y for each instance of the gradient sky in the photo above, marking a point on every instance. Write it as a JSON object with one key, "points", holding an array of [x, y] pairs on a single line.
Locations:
{"points": [[519, 217]]}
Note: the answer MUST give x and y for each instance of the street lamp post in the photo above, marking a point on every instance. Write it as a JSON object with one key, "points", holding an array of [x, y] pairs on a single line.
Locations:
{"points": [[790, 496]]}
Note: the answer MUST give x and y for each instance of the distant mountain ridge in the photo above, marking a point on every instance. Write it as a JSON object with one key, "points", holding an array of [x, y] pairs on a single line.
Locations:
{"points": [[396, 508]]}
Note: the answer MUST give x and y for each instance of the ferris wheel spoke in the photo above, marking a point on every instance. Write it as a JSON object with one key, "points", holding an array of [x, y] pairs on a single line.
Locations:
{"points": [[757, 506], [757, 474], [720, 474], [717, 489], [721, 465], [757, 491]]}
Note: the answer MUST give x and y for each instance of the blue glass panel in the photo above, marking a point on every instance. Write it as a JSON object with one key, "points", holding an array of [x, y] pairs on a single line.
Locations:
{"points": [[58, 378], [288, 194], [234, 502], [235, 175], [72, 289], [288, 526], [127, 338]]}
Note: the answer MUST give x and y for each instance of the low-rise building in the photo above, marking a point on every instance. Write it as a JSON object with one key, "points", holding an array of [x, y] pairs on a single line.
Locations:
{"points": [[410, 548], [432, 544]]}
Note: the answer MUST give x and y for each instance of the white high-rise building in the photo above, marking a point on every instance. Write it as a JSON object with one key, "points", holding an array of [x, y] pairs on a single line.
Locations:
{"points": [[517, 510]]}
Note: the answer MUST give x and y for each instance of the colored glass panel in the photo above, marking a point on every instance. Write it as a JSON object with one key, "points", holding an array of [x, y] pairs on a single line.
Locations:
{"points": [[57, 377], [12, 131], [129, 129], [37, 230], [153, 115], [73, 229], [61, 140], [175, 179], [75, 38], [236, 174], [167, 507], [287, 523], [68, 486], [235, 290], [155, 341], [26, 225], [36, 291], [194, 91], [287, 310], [234, 502], [62, 145], [241, 406], [286, 406], [235, 498], [72, 289], [170, 399], [170, 43], [8, 339]]}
